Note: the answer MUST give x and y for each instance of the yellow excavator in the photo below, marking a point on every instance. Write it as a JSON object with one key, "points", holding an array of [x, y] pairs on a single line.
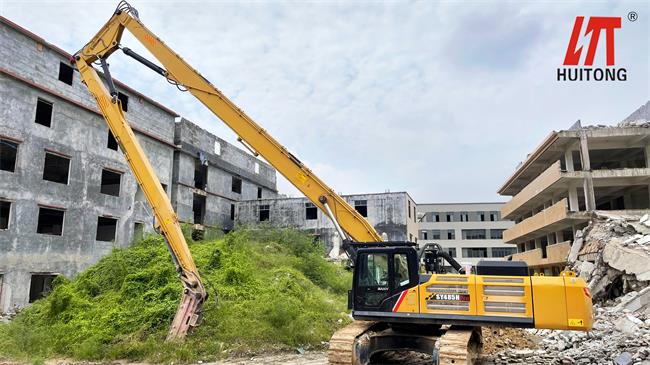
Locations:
{"points": [[401, 297]]}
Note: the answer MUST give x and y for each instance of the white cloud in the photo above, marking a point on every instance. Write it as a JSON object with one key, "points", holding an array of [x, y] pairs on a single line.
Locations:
{"points": [[439, 99]]}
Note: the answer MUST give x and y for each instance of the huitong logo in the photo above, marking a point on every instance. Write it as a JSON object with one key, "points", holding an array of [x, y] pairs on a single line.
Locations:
{"points": [[579, 64]]}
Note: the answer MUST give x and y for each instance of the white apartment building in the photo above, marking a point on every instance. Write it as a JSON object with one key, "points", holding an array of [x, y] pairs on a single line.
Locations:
{"points": [[469, 232]]}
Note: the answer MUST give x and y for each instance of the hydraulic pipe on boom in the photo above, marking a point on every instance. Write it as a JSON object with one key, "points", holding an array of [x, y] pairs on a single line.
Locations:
{"points": [[350, 224]]}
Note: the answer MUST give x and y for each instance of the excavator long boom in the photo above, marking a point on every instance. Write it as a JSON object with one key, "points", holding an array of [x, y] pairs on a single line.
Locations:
{"points": [[350, 224], [179, 72]]}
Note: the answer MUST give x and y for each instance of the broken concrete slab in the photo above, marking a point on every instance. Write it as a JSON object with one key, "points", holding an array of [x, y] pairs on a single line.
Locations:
{"points": [[627, 260]]}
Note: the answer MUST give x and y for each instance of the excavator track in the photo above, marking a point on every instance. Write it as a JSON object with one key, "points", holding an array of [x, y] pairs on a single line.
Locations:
{"points": [[342, 343], [459, 345], [356, 343]]}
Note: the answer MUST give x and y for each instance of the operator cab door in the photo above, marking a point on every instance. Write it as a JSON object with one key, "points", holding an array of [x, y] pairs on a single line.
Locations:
{"points": [[380, 275]]}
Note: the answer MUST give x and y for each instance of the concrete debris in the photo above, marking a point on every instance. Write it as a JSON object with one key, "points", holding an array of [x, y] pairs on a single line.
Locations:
{"points": [[620, 336], [8, 315], [612, 254]]}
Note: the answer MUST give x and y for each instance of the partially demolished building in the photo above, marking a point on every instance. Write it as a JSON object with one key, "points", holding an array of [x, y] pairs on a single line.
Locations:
{"points": [[67, 195], [571, 174], [393, 215]]}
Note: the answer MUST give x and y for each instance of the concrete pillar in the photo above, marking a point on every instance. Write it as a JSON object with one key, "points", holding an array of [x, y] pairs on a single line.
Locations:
{"points": [[573, 199], [627, 199], [588, 183], [568, 159], [559, 236], [550, 238]]}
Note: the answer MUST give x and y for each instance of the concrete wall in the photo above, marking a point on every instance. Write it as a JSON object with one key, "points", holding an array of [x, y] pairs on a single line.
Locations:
{"points": [[387, 212], [28, 71], [225, 161]]}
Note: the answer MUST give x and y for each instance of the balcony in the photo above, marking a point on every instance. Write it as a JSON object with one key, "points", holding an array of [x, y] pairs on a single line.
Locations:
{"points": [[542, 182], [552, 219], [555, 255]]}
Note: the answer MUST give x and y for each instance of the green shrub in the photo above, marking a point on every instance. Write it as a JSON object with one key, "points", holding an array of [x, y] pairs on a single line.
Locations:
{"points": [[269, 289]]}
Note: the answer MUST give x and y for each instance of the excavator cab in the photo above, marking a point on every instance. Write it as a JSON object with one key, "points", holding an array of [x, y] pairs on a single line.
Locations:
{"points": [[381, 274]]}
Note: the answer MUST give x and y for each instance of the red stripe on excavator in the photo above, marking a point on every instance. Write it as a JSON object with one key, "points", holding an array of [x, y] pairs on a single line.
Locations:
{"points": [[399, 301]]}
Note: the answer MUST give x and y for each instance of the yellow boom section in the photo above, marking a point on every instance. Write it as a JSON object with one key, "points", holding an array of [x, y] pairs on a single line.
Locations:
{"points": [[180, 72]]}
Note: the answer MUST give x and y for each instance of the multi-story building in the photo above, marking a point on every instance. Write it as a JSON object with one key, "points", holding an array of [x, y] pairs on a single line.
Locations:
{"points": [[570, 174], [211, 175], [469, 232], [67, 196], [392, 215]]}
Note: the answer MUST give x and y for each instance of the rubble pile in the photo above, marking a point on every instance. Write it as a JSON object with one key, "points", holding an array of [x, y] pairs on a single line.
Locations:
{"points": [[612, 254], [620, 335]]}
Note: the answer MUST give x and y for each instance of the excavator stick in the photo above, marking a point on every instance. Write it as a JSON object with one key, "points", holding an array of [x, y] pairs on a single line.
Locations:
{"points": [[356, 343]]}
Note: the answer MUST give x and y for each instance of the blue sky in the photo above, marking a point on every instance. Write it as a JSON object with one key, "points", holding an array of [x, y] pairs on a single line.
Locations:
{"points": [[440, 99]]}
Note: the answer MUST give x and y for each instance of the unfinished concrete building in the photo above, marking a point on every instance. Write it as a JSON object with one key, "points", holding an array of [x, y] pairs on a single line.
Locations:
{"points": [[211, 175], [67, 195], [572, 173], [393, 214], [469, 232]]}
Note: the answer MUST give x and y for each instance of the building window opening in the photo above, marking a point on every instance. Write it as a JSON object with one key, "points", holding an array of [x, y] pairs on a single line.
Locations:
{"points": [[110, 182], [112, 142], [106, 228], [43, 112], [56, 168], [361, 206], [503, 251], [474, 234], [259, 193], [409, 208], [424, 235], [435, 234], [217, 148], [437, 217], [496, 234], [474, 252], [50, 221], [451, 235], [264, 213], [200, 174], [256, 167], [65, 73], [8, 153], [464, 217], [481, 217], [124, 101], [198, 208], [450, 217], [5, 211], [494, 216], [311, 212], [138, 231], [235, 185], [232, 212], [40, 286]]}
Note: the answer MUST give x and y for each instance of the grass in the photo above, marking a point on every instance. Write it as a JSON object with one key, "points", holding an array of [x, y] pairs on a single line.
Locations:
{"points": [[275, 292]]}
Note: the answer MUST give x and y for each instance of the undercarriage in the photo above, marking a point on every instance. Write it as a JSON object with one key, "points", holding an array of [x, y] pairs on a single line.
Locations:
{"points": [[357, 343]]}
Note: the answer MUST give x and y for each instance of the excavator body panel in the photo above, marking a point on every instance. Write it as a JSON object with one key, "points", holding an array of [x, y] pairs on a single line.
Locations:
{"points": [[386, 288]]}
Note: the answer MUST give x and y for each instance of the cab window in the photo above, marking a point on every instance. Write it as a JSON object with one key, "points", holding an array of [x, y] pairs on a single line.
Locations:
{"points": [[375, 271], [401, 277]]}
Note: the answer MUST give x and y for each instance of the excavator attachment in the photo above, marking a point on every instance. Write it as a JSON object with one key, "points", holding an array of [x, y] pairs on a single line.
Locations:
{"points": [[188, 315]]}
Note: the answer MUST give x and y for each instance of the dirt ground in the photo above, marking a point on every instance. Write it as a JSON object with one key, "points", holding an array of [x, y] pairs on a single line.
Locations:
{"points": [[494, 341]]}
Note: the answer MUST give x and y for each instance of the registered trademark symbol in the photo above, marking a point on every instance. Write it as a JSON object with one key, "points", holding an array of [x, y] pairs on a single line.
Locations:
{"points": [[632, 16]]}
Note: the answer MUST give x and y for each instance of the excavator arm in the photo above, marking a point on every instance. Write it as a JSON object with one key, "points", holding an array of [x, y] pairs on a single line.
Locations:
{"points": [[349, 223]]}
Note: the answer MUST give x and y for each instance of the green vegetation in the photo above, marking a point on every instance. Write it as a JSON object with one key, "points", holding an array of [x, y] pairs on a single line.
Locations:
{"points": [[275, 291]]}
